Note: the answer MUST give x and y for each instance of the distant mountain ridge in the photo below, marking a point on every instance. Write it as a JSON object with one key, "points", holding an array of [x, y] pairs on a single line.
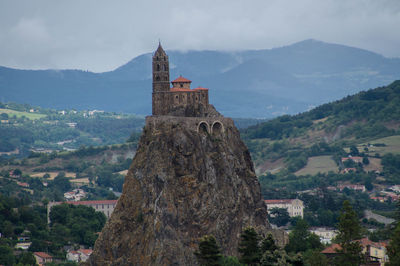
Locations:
{"points": [[253, 83]]}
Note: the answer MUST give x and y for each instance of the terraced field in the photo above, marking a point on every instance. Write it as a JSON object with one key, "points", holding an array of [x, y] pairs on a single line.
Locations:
{"points": [[318, 164]]}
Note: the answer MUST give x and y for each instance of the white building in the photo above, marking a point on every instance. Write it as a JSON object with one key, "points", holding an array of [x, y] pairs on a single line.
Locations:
{"points": [[325, 234], [295, 207], [80, 255]]}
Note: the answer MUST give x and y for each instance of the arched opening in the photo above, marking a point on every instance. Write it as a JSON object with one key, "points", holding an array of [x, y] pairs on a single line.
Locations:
{"points": [[164, 67], [158, 78], [158, 67], [203, 128], [217, 128]]}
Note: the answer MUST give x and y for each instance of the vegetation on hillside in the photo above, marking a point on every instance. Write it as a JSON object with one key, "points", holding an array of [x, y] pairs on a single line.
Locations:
{"points": [[24, 128]]}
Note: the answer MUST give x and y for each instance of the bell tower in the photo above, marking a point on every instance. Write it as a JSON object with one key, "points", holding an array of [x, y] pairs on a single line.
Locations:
{"points": [[160, 71]]}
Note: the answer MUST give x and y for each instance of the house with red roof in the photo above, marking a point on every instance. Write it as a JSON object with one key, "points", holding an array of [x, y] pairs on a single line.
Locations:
{"points": [[375, 252], [42, 258], [80, 255]]}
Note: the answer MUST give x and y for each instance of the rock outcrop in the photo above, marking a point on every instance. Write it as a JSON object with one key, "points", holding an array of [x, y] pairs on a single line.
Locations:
{"points": [[186, 181]]}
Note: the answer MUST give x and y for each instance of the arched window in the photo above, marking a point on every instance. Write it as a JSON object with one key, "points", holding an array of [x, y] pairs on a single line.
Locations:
{"points": [[203, 128], [158, 67], [158, 78], [165, 67], [217, 128]]}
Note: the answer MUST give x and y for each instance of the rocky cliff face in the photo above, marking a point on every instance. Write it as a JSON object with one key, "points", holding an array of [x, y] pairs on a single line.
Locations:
{"points": [[186, 180]]}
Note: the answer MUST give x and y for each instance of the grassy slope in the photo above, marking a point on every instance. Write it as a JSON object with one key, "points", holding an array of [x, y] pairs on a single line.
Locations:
{"points": [[31, 116], [368, 117]]}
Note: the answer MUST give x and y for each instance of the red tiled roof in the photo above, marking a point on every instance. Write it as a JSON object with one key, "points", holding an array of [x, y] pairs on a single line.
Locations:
{"points": [[200, 88], [366, 242], [332, 249], [272, 201], [179, 89], [86, 251], [181, 79], [43, 255]]}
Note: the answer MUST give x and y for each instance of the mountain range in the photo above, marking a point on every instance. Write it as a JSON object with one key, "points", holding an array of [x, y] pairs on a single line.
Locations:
{"points": [[252, 83]]}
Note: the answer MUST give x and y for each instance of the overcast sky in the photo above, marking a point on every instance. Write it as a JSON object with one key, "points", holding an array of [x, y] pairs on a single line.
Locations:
{"points": [[100, 35]]}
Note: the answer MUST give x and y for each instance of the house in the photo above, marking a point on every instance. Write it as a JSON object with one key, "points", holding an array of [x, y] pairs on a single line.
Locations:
{"points": [[395, 188], [80, 255], [356, 159], [349, 170], [104, 206], [352, 186], [85, 254], [380, 199], [23, 245], [22, 184], [71, 124], [75, 195], [325, 234], [73, 255], [294, 207], [375, 252], [42, 258]]}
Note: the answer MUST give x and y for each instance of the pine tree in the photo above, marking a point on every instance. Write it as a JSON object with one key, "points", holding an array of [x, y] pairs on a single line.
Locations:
{"points": [[248, 247], [268, 244], [349, 233], [393, 248], [209, 253]]}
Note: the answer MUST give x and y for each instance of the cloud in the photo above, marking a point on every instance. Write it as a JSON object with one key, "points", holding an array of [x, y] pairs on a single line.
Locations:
{"points": [[31, 30], [100, 35]]}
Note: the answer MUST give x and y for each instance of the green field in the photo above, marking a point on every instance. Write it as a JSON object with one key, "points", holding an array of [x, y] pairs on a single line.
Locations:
{"points": [[31, 116], [318, 164], [392, 145]]}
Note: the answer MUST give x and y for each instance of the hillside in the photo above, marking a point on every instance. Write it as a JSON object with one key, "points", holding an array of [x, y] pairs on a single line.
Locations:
{"points": [[25, 129], [257, 83], [312, 143]]}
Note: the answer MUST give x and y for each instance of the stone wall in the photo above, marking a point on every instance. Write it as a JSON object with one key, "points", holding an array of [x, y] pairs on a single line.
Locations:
{"points": [[208, 125]]}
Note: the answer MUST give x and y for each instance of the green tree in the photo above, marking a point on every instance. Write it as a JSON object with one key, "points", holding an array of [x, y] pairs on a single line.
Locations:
{"points": [[278, 216], [315, 258], [268, 243], [230, 261], [248, 247], [354, 151], [349, 233], [300, 239], [27, 258], [208, 253], [6, 255], [62, 183], [393, 248]]}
